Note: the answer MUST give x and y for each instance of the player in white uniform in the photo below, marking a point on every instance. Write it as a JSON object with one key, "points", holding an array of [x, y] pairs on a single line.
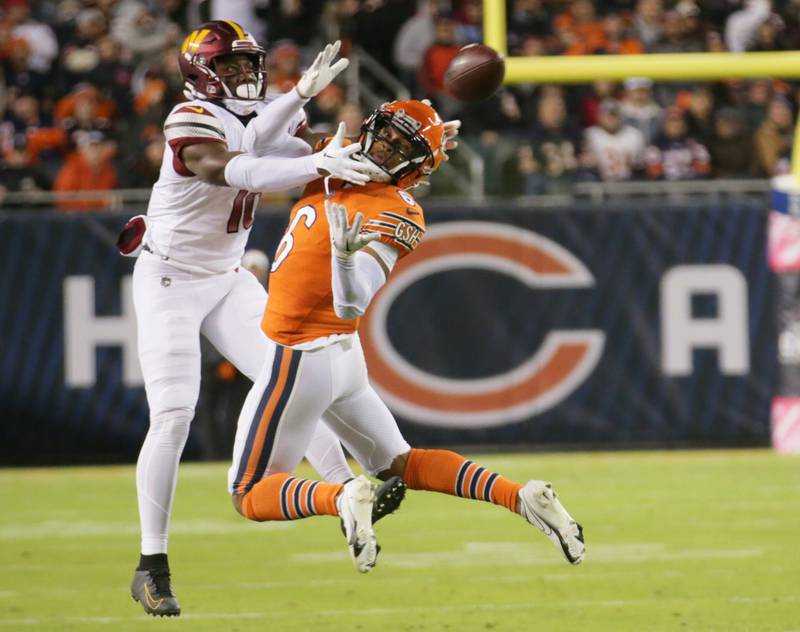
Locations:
{"points": [[188, 278]]}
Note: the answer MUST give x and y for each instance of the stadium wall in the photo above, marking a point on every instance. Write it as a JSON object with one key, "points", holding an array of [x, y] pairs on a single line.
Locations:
{"points": [[590, 326]]}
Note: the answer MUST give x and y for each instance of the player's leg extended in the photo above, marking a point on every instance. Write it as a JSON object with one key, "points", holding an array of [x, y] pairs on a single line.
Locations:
{"points": [[276, 424], [450, 473], [234, 328], [369, 431], [168, 326]]}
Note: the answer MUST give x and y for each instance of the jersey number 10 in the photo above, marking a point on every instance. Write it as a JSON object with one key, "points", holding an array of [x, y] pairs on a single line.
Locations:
{"points": [[243, 205]]}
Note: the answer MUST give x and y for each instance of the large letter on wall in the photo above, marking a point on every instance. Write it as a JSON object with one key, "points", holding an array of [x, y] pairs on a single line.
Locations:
{"points": [[84, 332], [727, 332]]}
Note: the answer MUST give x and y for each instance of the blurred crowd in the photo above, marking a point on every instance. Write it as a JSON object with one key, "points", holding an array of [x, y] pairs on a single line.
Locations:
{"points": [[86, 85]]}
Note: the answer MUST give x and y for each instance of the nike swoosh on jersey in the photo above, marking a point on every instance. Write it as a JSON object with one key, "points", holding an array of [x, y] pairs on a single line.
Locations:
{"points": [[410, 212]]}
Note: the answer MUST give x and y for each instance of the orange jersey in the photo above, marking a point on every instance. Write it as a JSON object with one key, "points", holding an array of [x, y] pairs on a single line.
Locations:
{"points": [[300, 305]]}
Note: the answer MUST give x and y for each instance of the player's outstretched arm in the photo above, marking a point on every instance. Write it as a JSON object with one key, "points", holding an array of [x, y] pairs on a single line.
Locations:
{"points": [[355, 275], [213, 163]]}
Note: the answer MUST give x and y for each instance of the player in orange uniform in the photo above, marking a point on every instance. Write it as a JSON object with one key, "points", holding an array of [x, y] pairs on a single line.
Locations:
{"points": [[326, 270]]}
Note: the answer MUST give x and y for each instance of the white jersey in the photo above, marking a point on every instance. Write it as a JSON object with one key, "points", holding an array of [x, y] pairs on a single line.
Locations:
{"points": [[616, 155], [197, 226]]}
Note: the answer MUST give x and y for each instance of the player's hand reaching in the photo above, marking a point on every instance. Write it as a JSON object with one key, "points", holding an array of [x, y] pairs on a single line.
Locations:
{"points": [[337, 160], [451, 129], [346, 238], [320, 74]]}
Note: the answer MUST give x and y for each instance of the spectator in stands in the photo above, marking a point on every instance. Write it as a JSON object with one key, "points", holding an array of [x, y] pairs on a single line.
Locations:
{"points": [[759, 94], [527, 18], [521, 173], [597, 93], [43, 142], [699, 108], [87, 169], [469, 18], [638, 108], [85, 108], [142, 30], [555, 147], [675, 37], [742, 25], [774, 138], [80, 57], [618, 39], [19, 173], [579, 29], [415, 36], [436, 59], [291, 19], [647, 22], [768, 36], [141, 170], [17, 70], [613, 150], [675, 155], [41, 39], [731, 146], [284, 66]]}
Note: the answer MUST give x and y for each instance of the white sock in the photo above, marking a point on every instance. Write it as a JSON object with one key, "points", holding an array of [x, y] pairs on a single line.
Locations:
{"points": [[156, 477]]}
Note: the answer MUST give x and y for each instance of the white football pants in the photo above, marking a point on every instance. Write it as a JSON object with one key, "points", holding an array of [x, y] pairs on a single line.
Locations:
{"points": [[173, 308], [295, 389]]}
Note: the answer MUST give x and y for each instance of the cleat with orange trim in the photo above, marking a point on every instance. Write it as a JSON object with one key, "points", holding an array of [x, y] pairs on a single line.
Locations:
{"points": [[153, 590], [539, 505], [355, 504]]}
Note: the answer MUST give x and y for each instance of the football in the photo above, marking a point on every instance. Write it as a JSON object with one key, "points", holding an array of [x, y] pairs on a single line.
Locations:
{"points": [[475, 73]]}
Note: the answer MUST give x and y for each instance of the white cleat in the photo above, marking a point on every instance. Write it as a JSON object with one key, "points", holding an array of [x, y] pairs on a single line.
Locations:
{"points": [[355, 508], [539, 504]]}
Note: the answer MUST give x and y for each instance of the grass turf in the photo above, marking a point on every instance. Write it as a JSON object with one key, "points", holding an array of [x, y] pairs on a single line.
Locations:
{"points": [[675, 541]]}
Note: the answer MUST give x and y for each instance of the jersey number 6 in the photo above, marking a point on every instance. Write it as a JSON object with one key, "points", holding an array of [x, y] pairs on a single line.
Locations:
{"points": [[244, 204], [309, 215]]}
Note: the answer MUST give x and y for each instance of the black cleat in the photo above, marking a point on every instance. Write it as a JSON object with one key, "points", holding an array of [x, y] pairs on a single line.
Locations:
{"points": [[153, 590], [388, 497]]}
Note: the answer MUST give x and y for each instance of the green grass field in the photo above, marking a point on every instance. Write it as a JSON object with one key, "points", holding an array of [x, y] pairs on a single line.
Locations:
{"points": [[675, 541]]}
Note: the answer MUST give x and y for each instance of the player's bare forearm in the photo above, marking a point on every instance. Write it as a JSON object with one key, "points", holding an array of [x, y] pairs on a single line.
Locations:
{"points": [[208, 161]]}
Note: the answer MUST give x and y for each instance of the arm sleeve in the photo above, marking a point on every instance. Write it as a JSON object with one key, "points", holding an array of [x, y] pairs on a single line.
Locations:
{"points": [[355, 280], [278, 115], [267, 174]]}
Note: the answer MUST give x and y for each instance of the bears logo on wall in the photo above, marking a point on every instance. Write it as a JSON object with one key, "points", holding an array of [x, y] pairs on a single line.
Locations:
{"points": [[563, 361]]}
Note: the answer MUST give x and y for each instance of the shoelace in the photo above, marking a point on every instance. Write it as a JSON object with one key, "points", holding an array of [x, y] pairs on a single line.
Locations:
{"points": [[160, 578]]}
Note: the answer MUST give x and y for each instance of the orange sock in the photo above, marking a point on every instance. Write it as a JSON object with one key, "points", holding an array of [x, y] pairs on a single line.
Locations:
{"points": [[450, 473], [286, 497]]}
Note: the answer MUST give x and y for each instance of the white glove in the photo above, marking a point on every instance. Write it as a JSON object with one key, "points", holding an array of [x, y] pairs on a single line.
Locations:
{"points": [[336, 160], [321, 73], [346, 239], [450, 132]]}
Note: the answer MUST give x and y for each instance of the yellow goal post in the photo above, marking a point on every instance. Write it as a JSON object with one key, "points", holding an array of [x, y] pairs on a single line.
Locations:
{"points": [[658, 67]]}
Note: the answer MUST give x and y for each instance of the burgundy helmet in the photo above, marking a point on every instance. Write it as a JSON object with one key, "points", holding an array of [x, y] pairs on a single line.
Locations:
{"points": [[215, 39]]}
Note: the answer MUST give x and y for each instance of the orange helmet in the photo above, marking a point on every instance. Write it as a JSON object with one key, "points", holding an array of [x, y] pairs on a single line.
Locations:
{"points": [[405, 139]]}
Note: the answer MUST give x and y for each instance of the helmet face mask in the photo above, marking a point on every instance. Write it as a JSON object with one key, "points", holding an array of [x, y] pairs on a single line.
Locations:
{"points": [[405, 140], [223, 41]]}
